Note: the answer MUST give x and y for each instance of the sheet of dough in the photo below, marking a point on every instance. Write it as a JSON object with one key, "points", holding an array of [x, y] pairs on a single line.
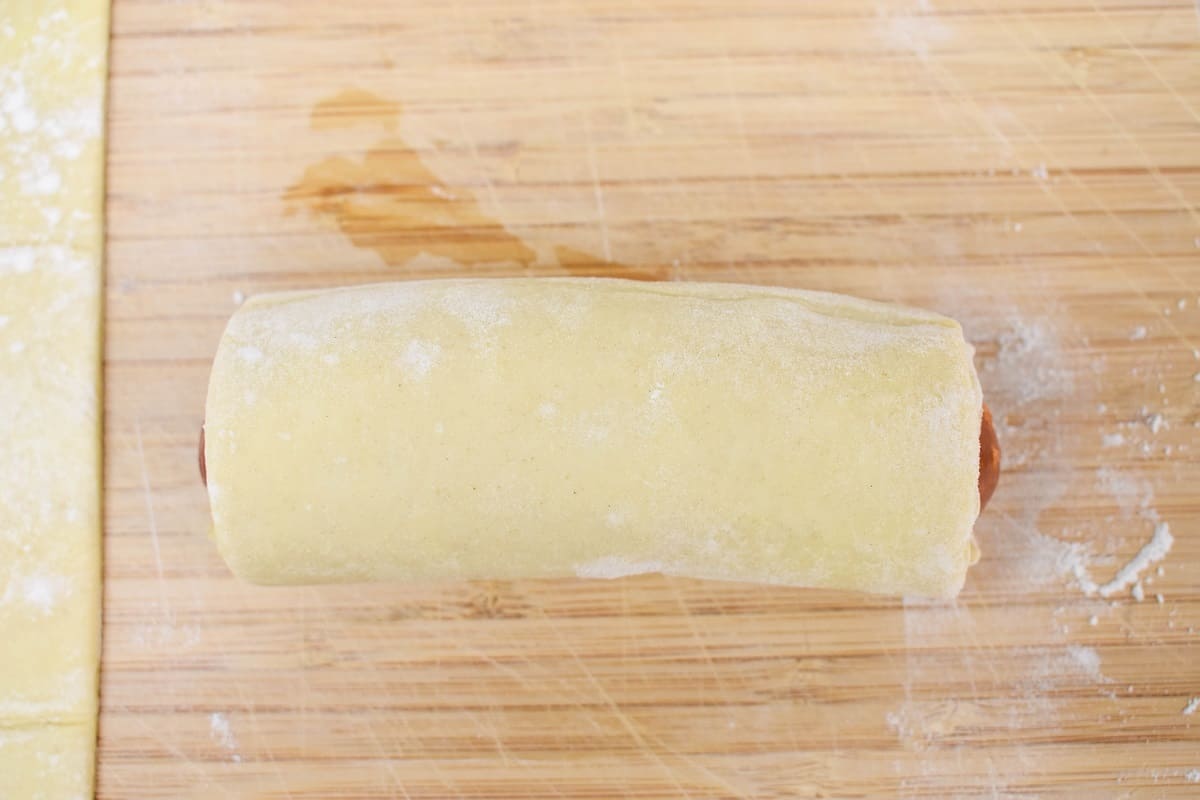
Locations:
{"points": [[52, 78], [511, 428]]}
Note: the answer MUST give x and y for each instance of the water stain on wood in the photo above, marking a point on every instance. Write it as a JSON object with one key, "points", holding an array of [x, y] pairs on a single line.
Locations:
{"points": [[390, 202]]}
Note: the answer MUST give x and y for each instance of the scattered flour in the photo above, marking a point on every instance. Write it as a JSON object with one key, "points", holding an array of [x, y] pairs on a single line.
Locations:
{"points": [[250, 354], [221, 732], [166, 635], [16, 260], [1045, 559], [42, 593], [1030, 363], [1193, 776], [916, 33], [1052, 668], [1192, 705], [1087, 661], [1153, 551], [1138, 333], [420, 357], [1132, 495], [1113, 440]]}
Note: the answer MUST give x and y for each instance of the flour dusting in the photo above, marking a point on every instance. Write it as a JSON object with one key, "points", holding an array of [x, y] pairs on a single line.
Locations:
{"points": [[249, 354], [1086, 661], [420, 357], [16, 260], [1128, 576], [1131, 494], [1112, 440], [40, 592], [221, 732]]}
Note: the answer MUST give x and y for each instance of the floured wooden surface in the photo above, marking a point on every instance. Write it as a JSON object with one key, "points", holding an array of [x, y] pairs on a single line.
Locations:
{"points": [[1031, 172]]}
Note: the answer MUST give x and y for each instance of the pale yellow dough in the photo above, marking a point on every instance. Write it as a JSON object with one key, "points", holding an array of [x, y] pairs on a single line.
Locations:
{"points": [[52, 74], [506, 428]]}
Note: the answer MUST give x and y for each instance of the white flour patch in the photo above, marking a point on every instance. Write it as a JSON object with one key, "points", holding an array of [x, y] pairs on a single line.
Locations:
{"points": [[221, 732], [1132, 495], [42, 593], [420, 357], [1193, 775], [1030, 355], [1044, 559], [1152, 552], [914, 32], [304, 341], [483, 306], [1086, 661], [1112, 440], [1054, 668], [616, 567], [16, 260], [165, 635], [1191, 706], [249, 354]]}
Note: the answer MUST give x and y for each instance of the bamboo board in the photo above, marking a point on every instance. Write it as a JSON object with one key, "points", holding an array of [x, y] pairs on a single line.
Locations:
{"points": [[1032, 169]]}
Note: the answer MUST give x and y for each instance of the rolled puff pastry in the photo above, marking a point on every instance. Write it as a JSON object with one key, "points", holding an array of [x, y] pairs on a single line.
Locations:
{"points": [[508, 428]]}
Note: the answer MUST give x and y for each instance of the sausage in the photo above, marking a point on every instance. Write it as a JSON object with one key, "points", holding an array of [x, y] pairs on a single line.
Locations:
{"points": [[989, 458]]}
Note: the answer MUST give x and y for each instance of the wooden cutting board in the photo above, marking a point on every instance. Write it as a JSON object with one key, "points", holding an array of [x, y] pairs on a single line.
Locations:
{"points": [[1031, 168]]}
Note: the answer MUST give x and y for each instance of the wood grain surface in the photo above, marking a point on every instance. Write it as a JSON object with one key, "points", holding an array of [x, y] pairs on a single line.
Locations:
{"points": [[1031, 167]]}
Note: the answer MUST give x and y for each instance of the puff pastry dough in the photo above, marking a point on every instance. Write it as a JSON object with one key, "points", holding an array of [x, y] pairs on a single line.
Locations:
{"points": [[52, 74], [505, 428]]}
